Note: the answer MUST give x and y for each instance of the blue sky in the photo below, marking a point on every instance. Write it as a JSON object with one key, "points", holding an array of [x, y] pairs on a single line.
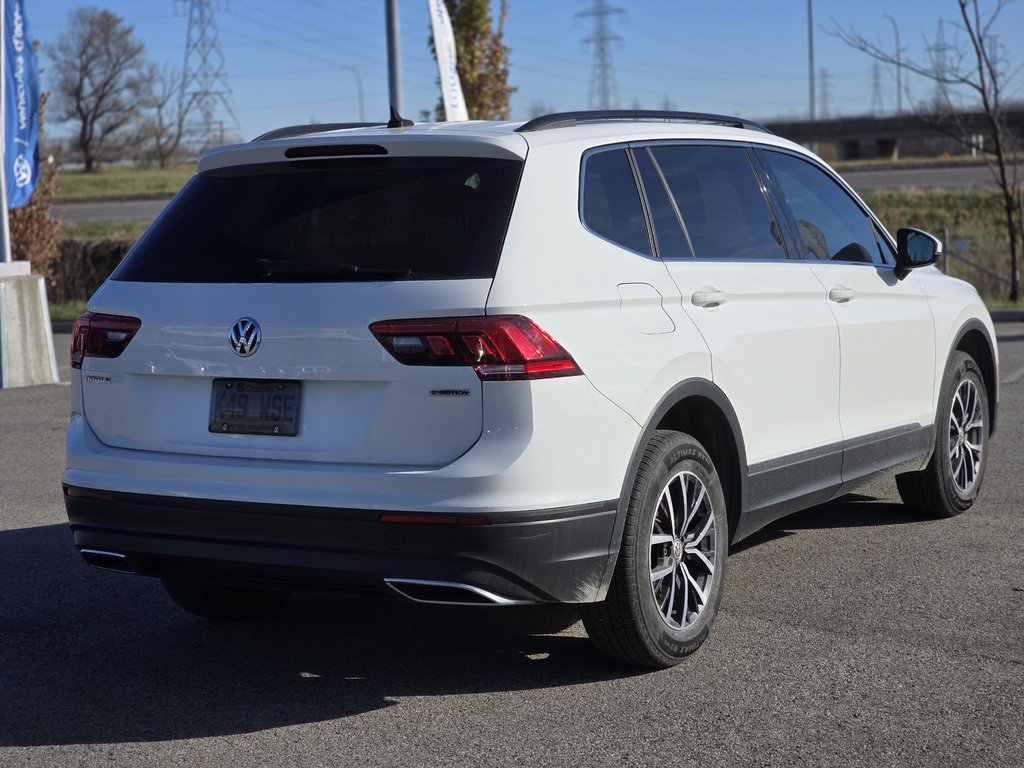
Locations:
{"points": [[290, 61]]}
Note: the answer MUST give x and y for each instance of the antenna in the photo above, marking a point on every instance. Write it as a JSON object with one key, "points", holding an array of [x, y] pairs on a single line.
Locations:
{"points": [[204, 79], [603, 91]]}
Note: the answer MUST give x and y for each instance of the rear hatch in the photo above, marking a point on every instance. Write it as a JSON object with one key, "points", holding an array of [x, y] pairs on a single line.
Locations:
{"points": [[312, 252]]}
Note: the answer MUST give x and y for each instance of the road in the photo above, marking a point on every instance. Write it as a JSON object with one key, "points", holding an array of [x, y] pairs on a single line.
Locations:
{"points": [[952, 177], [958, 177], [852, 634]]}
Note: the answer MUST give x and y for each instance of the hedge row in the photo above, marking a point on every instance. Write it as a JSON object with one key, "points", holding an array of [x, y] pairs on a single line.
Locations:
{"points": [[81, 266]]}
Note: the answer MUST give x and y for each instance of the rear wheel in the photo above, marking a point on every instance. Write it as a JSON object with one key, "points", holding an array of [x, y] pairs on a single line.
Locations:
{"points": [[669, 576], [223, 602], [950, 482]]}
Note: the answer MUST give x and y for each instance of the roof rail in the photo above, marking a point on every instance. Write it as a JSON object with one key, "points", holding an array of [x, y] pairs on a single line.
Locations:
{"points": [[570, 119], [301, 130]]}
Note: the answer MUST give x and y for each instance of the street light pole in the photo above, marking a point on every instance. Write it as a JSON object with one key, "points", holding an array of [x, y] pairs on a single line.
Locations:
{"points": [[810, 54], [899, 67], [359, 89]]}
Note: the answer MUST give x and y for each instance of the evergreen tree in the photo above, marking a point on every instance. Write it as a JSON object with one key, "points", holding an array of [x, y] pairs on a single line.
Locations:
{"points": [[481, 59]]}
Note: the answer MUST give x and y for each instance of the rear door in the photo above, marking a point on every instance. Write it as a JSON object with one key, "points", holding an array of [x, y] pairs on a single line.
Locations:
{"points": [[312, 252], [774, 343]]}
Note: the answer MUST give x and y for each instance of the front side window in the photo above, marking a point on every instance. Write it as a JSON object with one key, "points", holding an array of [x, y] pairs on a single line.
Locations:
{"points": [[718, 196], [830, 224], [611, 204]]}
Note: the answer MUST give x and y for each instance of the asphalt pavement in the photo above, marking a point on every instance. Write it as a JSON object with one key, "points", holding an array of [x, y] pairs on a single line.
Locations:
{"points": [[851, 634]]}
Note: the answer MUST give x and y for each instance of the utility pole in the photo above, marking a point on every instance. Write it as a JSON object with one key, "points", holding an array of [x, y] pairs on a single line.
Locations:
{"points": [[394, 56], [810, 55], [603, 93], [204, 77]]}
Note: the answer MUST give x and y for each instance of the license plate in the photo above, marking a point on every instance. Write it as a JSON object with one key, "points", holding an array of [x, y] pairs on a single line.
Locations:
{"points": [[254, 407]]}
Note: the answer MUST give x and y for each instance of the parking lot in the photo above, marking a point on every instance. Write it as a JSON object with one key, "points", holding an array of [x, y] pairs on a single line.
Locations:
{"points": [[851, 634]]}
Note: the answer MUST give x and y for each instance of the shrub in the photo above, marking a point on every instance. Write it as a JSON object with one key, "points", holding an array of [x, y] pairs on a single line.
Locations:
{"points": [[81, 267]]}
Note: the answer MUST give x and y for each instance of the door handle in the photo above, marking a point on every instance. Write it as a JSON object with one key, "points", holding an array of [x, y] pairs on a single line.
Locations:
{"points": [[708, 298], [841, 294]]}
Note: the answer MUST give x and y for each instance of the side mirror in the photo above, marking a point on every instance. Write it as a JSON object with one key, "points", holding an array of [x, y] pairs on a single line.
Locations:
{"points": [[915, 248]]}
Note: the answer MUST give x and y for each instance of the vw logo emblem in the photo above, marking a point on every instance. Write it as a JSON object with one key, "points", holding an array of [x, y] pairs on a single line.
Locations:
{"points": [[245, 336]]}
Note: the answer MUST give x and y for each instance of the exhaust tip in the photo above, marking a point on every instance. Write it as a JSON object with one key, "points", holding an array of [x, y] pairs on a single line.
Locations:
{"points": [[108, 561], [447, 593]]}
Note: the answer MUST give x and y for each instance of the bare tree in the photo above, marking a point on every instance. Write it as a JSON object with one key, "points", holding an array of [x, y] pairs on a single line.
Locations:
{"points": [[98, 63], [971, 65], [162, 126]]}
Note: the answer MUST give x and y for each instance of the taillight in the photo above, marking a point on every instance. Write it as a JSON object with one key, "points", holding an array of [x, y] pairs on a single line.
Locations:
{"points": [[499, 348], [97, 335]]}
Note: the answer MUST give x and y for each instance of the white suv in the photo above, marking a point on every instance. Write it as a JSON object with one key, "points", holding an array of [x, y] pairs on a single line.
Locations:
{"points": [[487, 363]]}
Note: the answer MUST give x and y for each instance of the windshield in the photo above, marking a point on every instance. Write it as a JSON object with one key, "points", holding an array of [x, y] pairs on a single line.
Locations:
{"points": [[403, 218]]}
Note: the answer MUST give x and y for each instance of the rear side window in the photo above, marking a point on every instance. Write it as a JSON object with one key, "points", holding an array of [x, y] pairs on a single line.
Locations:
{"points": [[611, 202], [332, 221], [720, 199]]}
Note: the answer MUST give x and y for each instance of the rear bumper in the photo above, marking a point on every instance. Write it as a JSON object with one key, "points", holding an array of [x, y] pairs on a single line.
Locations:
{"points": [[553, 555]]}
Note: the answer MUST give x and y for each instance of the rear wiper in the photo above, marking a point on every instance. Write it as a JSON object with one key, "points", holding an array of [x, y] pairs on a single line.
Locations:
{"points": [[269, 268]]}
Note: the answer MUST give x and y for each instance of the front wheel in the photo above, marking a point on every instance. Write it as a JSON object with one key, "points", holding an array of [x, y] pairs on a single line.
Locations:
{"points": [[671, 569], [950, 482]]}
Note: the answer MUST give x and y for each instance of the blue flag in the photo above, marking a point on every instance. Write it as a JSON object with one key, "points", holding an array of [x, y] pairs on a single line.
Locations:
{"points": [[21, 106]]}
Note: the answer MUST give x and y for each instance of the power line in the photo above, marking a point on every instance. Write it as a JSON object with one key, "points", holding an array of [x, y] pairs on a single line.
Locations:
{"points": [[603, 91], [204, 79]]}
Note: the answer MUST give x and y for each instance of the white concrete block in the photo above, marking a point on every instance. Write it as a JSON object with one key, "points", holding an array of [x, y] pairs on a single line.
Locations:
{"points": [[26, 339]]}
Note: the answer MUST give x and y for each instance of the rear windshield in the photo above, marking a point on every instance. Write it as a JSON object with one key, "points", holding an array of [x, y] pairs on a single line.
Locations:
{"points": [[400, 218]]}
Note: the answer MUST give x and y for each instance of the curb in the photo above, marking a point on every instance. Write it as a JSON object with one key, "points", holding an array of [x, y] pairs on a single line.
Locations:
{"points": [[1008, 316]]}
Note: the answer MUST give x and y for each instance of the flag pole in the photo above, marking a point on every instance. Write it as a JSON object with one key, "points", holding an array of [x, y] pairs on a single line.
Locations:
{"points": [[5, 230]]}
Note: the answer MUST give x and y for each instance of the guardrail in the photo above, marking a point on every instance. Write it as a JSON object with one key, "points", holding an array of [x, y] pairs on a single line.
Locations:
{"points": [[948, 253]]}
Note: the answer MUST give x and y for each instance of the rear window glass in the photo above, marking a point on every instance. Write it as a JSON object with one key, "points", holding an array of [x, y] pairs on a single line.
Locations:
{"points": [[332, 220]]}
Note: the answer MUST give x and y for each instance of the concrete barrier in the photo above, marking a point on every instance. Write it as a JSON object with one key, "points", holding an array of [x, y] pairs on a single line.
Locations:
{"points": [[26, 343]]}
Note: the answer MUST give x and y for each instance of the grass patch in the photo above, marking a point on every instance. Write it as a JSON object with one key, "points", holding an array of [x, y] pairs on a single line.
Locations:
{"points": [[69, 311], [103, 230], [122, 181], [972, 220]]}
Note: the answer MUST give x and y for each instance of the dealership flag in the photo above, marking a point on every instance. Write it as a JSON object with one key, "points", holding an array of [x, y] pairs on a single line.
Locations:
{"points": [[444, 47], [21, 106]]}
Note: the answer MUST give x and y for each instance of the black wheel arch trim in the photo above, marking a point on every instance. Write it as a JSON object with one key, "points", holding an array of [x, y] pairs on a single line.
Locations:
{"points": [[690, 388], [991, 377]]}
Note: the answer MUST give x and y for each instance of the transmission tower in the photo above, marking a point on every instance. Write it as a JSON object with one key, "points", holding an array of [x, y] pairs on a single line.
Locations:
{"points": [[603, 92], [876, 89], [205, 91], [824, 93], [940, 63]]}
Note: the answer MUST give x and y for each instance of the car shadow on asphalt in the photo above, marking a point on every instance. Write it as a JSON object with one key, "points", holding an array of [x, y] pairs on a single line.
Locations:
{"points": [[849, 511], [88, 656]]}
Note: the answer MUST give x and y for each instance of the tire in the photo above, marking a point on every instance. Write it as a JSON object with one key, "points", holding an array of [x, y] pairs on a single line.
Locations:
{"points": [[223, 602], [654, 620], [950, 482]]}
